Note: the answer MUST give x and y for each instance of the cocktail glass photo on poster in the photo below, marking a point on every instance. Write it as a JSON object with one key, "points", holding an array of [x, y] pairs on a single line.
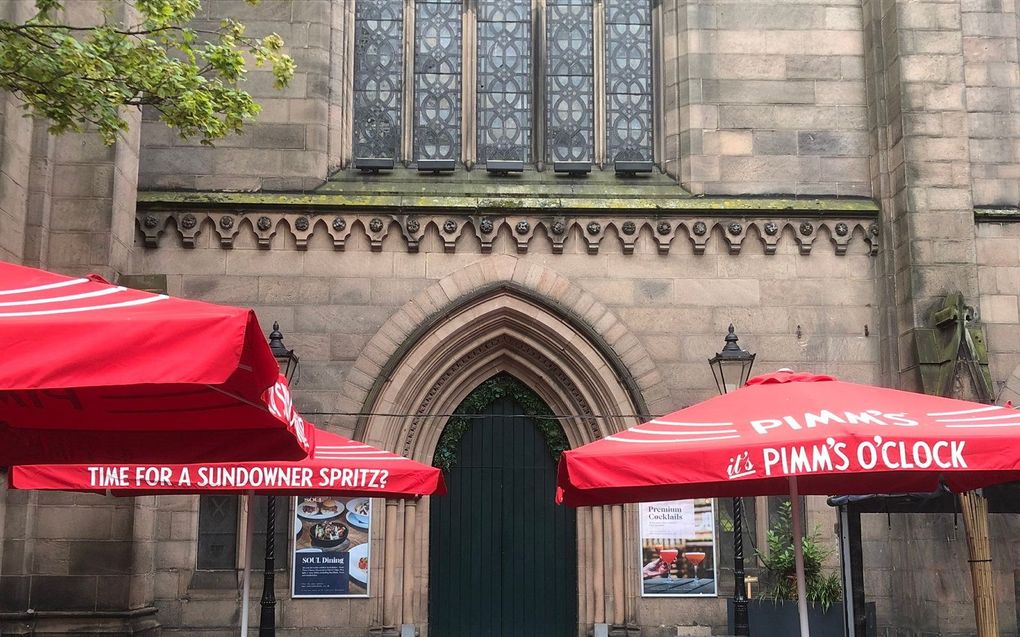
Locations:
{"points": [[678, 548], [331, 547]]}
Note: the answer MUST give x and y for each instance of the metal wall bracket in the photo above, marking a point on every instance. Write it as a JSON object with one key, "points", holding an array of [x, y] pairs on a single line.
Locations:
{"points": [[373, 164], [575, 168], [632, 167], [436, 165], [504, 166]]}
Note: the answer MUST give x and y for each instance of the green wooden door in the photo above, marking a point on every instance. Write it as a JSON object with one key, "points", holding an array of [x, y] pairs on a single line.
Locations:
{"points": [[502, 555]]}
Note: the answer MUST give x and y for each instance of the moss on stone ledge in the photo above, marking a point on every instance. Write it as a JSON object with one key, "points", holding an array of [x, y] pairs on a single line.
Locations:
{"points": [[469, 204]]}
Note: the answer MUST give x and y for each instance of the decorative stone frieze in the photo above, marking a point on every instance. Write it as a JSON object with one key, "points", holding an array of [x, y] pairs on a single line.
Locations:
{"points": [[377, 231], [450, 231], [487, 228], [413, 231], [265, 228], [522, 229]]}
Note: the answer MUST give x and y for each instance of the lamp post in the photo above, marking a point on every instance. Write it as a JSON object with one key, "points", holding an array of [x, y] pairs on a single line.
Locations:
{"points": [[731, 367], [288, 361]]}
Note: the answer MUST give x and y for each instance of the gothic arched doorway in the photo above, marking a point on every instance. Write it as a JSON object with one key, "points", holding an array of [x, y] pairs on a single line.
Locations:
{"points": [[502, 556]]}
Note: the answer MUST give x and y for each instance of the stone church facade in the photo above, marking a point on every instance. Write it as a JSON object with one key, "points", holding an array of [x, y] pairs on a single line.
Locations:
{"points": [[419, 218]]}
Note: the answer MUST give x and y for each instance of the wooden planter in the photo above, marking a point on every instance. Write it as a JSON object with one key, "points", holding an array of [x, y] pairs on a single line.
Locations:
{"points": [[780, 619]]}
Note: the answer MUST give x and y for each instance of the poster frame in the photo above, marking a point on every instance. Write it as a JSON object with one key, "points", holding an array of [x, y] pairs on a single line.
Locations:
{"points": [[713, 503], [292, 544]]}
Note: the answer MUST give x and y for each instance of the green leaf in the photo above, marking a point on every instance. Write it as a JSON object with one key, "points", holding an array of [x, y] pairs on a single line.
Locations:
{"points": [[87, 76], [780, 569], [498, 386]]}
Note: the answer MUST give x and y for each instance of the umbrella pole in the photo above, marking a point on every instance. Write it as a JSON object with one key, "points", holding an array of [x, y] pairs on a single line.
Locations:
{"points": [[975, 524], [798, 556], [249, 533]]}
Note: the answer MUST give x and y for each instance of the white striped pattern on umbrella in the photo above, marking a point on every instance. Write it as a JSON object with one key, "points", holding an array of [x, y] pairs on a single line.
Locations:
{"points": [[676, 431], [965, 419], [353, 452], [40, 300]]}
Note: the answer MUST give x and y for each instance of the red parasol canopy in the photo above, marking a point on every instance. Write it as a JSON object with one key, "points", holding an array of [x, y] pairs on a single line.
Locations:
{"points": [[101, 373], [834, 437], [337, 466], [798, 433]]}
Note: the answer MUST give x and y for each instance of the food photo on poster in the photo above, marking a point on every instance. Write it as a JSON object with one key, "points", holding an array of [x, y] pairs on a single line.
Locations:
{"points": [[678, 556], [331, 546]]}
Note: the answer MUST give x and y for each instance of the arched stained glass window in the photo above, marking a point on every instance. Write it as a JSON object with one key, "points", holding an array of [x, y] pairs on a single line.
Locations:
{"points": [[628, 80], [513, 82], [504, 80], [569, 81], [437, 80], [378, 78]]}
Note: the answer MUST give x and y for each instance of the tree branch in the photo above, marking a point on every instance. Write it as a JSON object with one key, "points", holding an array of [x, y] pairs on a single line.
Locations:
{"points": [[29, 26]]}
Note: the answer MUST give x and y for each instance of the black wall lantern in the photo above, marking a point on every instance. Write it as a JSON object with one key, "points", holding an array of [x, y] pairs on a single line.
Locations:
{"points": [[288, 361], [731, 368]]}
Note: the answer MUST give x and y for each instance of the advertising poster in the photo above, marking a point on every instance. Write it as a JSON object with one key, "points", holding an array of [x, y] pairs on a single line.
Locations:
{"points": [[331, 547], [678, 548]]}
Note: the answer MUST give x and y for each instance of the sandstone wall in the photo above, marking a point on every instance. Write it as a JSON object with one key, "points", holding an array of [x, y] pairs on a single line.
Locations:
{"points": [[912, 103], [330, 304], [755, 98], [286, 148], [66, 552], [769, 97], [992, 75], [15, 149]]}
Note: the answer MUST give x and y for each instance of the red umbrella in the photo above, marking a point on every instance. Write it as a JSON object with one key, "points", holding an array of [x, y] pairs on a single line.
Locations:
{"points": [[835, 437], [799, 433], [338, 466], [98, 372]]}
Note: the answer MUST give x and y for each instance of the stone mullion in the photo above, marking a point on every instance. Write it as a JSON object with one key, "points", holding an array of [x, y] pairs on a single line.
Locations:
{"points": [[391, 531], [683, 122], [408, 563], [406, 150], [619, 587], [345, 151], [584, 550], [599, 81], [539, 61], [598, 548], [656, 87], [468, 85]]}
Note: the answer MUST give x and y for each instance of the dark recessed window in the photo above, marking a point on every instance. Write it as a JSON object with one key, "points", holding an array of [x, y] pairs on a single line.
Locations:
{"points": [[220, 530], [217, 532]]}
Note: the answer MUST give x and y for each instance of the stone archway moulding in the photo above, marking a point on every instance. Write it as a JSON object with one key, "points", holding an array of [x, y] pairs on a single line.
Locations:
{"points": [[501, 314]]}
